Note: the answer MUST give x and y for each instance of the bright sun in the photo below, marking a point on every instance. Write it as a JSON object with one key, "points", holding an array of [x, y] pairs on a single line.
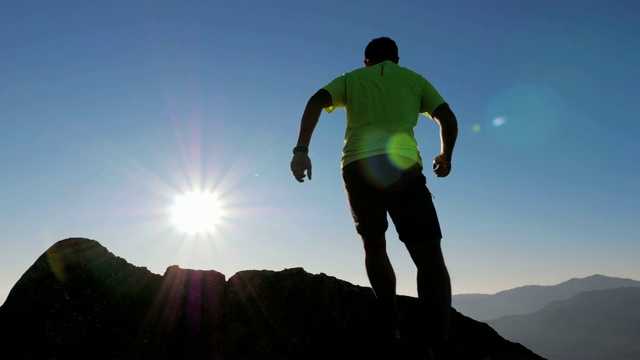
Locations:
{"points": [[196, 212]]}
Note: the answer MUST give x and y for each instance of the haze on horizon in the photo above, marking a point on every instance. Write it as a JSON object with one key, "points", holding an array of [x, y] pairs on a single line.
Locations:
{"points": [[111, 112]]}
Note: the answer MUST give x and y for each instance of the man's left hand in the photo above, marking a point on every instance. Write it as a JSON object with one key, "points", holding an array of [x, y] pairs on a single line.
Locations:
{"points": [[299, 164]]}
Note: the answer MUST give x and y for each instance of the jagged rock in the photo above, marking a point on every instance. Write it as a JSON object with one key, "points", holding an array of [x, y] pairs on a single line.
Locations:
{"points": [[79, 300]]}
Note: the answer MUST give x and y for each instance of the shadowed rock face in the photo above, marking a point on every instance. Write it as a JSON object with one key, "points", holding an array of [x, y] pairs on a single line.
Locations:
{"points": [[79, 300]]}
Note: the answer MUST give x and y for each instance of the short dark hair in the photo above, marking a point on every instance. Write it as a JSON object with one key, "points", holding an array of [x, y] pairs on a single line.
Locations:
{"points": [[381, 49]]}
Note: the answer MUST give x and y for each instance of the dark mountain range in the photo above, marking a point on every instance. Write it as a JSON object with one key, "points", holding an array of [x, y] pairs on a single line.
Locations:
{"points": [[527, 299], [80, 301], [594, 325]]}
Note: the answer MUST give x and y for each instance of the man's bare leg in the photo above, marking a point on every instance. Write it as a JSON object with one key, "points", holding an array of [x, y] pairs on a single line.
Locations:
{"points": [[434, 287], [382, 277]]}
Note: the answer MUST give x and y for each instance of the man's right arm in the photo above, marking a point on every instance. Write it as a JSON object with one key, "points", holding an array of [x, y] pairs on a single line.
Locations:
{"points": [[448, 135]]}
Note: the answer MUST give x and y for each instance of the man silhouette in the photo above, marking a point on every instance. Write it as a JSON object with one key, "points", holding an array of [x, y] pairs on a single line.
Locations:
{"points": [[382, 174]]}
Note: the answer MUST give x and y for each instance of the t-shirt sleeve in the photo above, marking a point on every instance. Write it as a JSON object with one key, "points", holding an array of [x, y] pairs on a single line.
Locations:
{"points": [[338, 90], [430, 99]]}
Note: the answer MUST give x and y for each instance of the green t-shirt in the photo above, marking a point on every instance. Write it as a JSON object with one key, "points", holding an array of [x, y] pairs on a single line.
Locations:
{"points": [[383, 102]]}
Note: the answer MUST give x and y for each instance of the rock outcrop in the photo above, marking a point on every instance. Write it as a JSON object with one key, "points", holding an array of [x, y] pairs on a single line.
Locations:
{"points": [[80, 301]]}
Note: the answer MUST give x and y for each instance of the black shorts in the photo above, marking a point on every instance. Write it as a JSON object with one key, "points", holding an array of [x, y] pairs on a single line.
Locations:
{"points": [[376, 187]]}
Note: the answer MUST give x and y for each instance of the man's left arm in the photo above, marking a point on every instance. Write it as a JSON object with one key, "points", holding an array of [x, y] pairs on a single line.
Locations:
{"points": [[301, 162]]}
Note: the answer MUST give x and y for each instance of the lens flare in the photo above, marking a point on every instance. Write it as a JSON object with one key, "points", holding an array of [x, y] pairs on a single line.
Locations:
{"points": [[499, 121], [525, 115], [400, 141]]}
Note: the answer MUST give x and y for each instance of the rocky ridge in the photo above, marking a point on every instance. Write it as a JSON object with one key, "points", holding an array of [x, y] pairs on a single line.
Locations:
{"points": [[80, 300]]}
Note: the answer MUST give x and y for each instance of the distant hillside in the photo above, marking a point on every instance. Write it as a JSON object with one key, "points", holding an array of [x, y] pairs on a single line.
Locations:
{"points": [[594, 325], [527, 299]]}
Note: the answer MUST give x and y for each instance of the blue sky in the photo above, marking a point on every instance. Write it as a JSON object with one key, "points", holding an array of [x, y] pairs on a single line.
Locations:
{"points": [[109, 110]]}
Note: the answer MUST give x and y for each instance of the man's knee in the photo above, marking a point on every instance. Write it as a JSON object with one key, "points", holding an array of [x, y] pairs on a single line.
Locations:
{"points": [[425, 252], [374, 242]]}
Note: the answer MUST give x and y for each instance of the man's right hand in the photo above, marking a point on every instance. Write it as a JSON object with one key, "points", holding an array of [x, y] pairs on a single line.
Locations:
{"points": [[299, 164], [441, 166]]}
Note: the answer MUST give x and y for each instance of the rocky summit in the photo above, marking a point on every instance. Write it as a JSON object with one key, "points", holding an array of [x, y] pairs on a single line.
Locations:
{"points": [[78, 300]]}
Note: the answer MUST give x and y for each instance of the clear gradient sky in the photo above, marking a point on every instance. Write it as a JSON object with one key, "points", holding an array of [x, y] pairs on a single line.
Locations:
{"points": [[111, 109]]}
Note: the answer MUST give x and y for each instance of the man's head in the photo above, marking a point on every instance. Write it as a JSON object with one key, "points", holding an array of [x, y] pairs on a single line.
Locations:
{"points": [[379, 50]]}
